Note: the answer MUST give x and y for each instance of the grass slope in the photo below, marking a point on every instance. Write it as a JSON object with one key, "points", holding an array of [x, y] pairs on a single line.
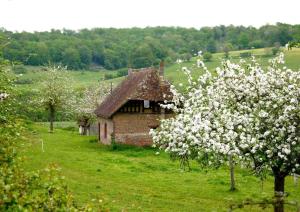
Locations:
{"points": [[136, 179], [176, 76], [173, 73]]}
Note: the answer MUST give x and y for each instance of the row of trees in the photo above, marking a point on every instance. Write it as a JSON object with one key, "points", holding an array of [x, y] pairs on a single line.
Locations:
{"points": [[244, 114], [57, 95], [116, 48]]}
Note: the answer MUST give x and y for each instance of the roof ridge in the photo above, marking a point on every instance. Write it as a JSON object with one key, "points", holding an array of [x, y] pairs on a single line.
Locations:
{"points": [[132, 87]]}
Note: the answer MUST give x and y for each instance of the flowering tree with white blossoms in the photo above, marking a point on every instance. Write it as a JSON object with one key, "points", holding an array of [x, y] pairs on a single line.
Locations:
{"points": [[86, 104], [244, 112], [292, 44], [56, 92], [6, 97]]}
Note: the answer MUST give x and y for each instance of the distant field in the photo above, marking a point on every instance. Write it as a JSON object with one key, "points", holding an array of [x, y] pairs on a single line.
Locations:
{"points": [[136, 179], [173, 72], [175, 75], [80, 79]]}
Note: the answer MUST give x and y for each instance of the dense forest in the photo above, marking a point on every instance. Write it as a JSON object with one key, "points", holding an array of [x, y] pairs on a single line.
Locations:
{"points": [[112, 48]]}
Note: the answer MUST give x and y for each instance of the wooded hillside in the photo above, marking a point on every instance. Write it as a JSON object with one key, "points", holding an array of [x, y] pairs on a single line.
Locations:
{"points": [[137, 47]]}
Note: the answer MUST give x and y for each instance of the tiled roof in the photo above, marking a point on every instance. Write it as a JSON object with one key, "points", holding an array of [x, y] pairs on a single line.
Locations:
{"points": [[142, 84]]}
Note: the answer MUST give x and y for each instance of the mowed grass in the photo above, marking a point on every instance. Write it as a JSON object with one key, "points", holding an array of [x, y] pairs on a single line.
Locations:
{"points": [[136, 179]]}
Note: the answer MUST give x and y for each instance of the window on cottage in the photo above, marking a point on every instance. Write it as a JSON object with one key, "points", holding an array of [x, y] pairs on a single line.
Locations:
{"points": [[105, 130], [146, 104]]}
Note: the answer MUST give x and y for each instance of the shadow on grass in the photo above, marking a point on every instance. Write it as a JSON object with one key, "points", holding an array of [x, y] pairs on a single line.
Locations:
{"points": [[125, 147]]}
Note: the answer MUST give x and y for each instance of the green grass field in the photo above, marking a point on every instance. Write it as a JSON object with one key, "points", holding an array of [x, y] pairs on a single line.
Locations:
{"points": [[176, 76], [136, 179], [83, 79]]}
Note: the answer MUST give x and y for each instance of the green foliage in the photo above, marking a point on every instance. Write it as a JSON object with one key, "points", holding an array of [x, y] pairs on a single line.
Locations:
{"points": [[71, 58], [207, 56], [256, 44], [186, 56], [122, 72], [275, 50], [108, 76], [20, 190], [226, 50], [211, 46], [55, 93], [292, 44], [119, 48]]}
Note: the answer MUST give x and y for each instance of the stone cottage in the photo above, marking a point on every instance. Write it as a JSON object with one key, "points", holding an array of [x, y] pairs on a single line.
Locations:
{"points": [[132, 109]]}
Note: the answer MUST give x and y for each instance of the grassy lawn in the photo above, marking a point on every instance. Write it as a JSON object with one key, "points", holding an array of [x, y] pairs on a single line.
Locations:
{"points": [[136, 179]]}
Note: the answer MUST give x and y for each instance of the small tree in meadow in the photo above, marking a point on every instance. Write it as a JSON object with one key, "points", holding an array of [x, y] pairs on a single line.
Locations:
{"points": [[246, 113], [56, 92], [226, 49], [207, 56], [86, 104], [290, 45]]}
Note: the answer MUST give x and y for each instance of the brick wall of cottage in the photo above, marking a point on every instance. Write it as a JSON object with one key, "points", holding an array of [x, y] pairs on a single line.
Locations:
{"points": [[134, 128], [105, 139], [130, 127]]}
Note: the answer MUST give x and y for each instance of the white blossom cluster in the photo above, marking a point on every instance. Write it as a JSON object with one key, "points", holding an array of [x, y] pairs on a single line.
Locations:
{"points": [[56, 89], [85, 105], [244, 111], [6, 83], [178, 61], [3, 96]]}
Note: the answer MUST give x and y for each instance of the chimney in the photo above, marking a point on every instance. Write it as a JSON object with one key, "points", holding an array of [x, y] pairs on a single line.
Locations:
{"points": [[161, 68]]}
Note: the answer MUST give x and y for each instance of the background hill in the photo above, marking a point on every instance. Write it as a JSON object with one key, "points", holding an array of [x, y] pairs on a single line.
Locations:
{"points": [[112, 49], [31, 75]]}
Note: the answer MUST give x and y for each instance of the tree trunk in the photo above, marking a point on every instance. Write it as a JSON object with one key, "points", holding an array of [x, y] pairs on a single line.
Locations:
{"points": [[85, 130], [279, 192], [85, 127], [232, 181], [51, 118]]}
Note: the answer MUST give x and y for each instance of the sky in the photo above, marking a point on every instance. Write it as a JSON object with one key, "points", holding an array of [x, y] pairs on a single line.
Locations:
{"points": [[44, 15]]}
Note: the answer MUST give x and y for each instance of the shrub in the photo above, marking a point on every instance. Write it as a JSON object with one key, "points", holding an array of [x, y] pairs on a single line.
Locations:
{"points": [[122, 72], [275, 50], [207, 56], [108, 76]]}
